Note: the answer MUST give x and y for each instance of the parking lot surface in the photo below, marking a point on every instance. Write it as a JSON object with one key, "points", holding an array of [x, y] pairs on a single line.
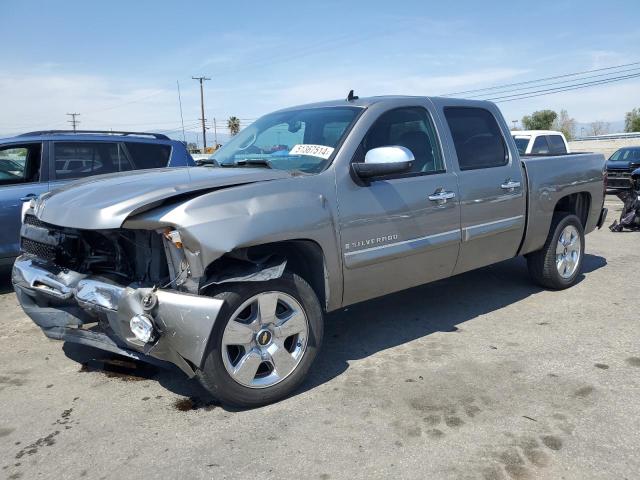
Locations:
{"points": [[481, 376]]}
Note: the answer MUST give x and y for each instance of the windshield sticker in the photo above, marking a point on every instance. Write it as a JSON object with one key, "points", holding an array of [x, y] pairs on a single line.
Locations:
{"points": [[312, 150]]}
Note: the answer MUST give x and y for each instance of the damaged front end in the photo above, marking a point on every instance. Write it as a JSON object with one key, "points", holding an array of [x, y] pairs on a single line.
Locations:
{"points": [[125, 291]]}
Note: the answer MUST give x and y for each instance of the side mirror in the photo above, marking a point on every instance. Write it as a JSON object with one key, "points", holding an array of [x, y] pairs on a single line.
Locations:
{"points": [[383, 161]]}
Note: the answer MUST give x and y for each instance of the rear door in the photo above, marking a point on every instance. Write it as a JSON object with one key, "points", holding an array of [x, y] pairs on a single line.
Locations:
{"points": [[492, 202], [21, 178]]}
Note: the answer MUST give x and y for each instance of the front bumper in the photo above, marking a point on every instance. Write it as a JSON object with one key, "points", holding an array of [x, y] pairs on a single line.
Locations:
{"points": [[94, 311]]}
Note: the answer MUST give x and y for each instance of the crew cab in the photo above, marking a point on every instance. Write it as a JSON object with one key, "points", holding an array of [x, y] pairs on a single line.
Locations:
{"points": [[35, 162], [540, 142], [226, 270], [620, 166]]}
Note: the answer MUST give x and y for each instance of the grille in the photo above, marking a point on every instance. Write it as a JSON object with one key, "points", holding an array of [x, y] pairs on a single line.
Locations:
{"points": [[35, 221], [40, 250]]}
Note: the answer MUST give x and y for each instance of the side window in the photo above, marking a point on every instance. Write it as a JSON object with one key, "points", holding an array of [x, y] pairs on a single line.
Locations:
{"points": [[477, 138], [149, 155], [20, 163], [540, 146], [409, 127], [83, 159], [557, 145]]}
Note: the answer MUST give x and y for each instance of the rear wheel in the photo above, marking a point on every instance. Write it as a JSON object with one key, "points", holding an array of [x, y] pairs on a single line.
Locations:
{"points": [[264, 341], [558, 263]]}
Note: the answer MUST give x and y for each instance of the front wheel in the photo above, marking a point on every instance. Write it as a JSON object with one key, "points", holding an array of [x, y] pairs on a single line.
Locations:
{"points": [[558, 263], [264, 341]]}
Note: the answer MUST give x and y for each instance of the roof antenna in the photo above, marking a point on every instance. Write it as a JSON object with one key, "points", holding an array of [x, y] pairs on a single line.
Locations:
{"points": [[351, 97]]}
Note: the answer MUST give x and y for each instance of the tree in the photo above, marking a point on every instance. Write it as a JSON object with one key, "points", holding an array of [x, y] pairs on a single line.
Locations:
{"points": [[565, 124], [598, 128], [192, 147], [233, 124], [632, 121], [540, 120]]}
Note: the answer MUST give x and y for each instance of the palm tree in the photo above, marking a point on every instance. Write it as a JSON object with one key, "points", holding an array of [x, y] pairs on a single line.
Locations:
{"points": [[233, 124]]}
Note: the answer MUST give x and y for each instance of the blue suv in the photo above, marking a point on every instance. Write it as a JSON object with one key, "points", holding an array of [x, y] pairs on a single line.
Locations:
{"points": [[37, 162]]}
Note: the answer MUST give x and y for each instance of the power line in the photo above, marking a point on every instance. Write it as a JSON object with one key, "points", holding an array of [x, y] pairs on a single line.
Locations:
{"points": [[497, 87], [566, 88], [73, 120], [204, 129], [555, 83]]}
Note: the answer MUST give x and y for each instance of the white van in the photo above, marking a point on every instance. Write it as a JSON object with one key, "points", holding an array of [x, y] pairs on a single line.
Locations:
{"points": [[540, 142]]}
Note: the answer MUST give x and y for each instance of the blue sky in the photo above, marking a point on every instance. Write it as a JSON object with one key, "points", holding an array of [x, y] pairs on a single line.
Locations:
{"points": [[117, 62]]}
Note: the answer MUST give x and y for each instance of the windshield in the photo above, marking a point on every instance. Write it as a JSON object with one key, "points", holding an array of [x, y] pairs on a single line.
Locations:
{"points": [[302, 140], [521, 144], [628, 154]]}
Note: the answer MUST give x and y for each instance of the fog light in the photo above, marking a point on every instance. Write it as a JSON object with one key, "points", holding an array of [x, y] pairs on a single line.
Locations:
{"points": [[142, 327]]}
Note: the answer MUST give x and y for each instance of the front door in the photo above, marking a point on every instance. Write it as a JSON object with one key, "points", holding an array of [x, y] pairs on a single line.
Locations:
{"points": [[400, 231], [20, 180]]}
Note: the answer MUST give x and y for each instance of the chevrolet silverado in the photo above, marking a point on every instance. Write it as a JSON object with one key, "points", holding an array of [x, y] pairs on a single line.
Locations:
{"points": [[226, 270]]}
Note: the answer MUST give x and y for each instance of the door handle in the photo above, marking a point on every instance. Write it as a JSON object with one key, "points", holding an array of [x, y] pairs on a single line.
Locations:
{"points": [[28, 197], [442, 196], [510, 185]]}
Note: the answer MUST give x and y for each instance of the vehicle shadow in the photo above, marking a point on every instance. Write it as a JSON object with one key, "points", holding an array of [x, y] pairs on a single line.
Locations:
{"points": [[369, 327], [363, 329]]}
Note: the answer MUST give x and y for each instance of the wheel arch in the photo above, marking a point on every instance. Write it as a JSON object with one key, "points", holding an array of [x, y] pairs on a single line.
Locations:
{"points": [[578, 204], [304, 257]]}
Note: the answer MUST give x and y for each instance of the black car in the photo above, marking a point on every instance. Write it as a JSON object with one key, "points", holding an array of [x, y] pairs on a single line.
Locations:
{"points": [[619, 167]]}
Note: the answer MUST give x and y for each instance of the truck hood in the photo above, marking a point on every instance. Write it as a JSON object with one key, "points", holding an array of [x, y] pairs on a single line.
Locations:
{"points": [[105, 201], [622, 164]]}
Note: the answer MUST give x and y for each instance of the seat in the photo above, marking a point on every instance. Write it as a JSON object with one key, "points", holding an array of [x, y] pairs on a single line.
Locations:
{"points": [[419, 144]]}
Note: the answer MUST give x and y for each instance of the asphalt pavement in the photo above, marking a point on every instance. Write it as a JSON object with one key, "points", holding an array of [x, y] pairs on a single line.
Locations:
{"points": [[481, 376]]}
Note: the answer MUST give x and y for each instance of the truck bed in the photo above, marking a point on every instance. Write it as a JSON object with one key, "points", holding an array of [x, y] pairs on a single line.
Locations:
{"points": [[551, 178]]}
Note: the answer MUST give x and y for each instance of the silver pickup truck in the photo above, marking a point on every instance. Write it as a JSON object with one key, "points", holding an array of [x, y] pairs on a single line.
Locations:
{"points": [[226, 270]]}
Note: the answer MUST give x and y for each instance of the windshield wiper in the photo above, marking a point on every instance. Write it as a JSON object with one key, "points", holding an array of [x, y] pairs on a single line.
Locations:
{"points": [[262, 162]]}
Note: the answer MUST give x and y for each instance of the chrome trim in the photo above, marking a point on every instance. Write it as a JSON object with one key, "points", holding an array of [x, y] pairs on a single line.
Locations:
{"points": [[442, 196], [185, 321], [379, 253], [98, 294], [490, 228], [510, 185]]}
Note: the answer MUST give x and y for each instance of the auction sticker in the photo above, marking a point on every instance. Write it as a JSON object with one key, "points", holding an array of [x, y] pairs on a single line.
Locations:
{"points": [[312, 150]]}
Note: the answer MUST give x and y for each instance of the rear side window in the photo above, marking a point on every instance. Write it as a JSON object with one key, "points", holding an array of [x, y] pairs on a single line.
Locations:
{"points": [[540, 146], [149, 155], [83, 159], [477, 138], [20, 163], [557, 145]]}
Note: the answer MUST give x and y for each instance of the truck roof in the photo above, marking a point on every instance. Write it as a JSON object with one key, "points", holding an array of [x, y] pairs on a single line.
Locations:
{"points": [[365, 102]]}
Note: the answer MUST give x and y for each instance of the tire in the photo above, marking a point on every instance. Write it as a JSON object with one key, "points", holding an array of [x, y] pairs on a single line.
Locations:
{"points": [[217, 372], [544, 265]]}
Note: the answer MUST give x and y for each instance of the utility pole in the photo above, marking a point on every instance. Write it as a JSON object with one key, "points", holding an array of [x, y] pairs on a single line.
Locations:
{"points": [[204, 130], [73, 120], [215, 132]]}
